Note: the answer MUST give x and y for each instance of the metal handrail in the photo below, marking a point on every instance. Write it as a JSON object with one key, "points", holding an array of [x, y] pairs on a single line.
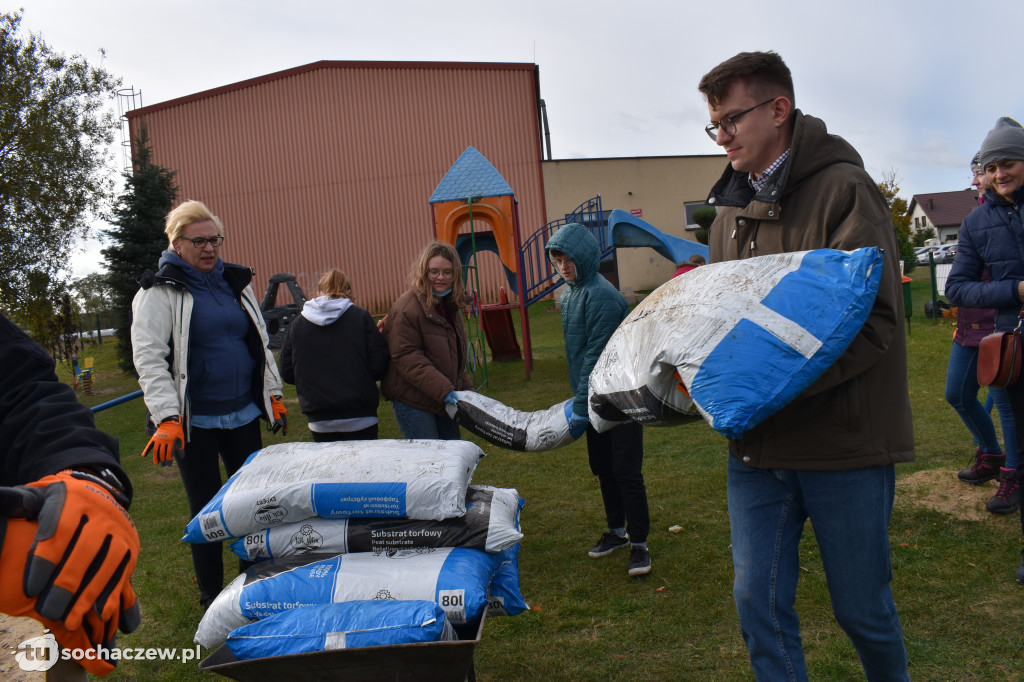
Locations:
{"points": [[116, 401], [540, 279]]}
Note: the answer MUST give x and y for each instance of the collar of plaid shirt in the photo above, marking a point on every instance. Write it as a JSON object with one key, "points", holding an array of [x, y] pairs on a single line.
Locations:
{"points": [[760, 182]]}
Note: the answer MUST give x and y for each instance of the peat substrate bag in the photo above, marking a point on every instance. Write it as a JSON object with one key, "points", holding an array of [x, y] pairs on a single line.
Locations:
{"points": [[348, 625], [288, 482], [491, 523], [507, 427], [504, 593], [734, 342], [455, 579]]}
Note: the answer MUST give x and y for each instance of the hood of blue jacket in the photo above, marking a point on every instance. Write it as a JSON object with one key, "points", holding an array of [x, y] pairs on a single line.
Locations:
{"points": [[576, 241]]}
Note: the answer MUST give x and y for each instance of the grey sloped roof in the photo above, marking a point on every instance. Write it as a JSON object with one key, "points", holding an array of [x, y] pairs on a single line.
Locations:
{"points": [[471, 176], [946, 209]]}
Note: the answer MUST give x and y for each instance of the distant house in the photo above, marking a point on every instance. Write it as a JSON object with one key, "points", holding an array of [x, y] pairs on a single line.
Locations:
{"points": [[943, 211]]}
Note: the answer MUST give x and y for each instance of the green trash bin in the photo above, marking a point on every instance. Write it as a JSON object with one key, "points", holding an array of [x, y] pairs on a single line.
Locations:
{"points": [[908, 300]]}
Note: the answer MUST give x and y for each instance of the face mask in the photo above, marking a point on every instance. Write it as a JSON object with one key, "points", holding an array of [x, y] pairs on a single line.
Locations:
{"points": [[442, 294]]}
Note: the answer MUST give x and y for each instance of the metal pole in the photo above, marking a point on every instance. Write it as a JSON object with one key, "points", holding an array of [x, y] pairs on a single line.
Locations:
{"points": [[478, 332], [935, 286], [116, 401]]}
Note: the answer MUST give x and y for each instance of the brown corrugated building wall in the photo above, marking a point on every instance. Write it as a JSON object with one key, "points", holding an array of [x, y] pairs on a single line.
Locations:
{"points": [[333, 163]]}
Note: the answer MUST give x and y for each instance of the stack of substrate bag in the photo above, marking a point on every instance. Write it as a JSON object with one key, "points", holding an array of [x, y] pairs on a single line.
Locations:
{"points": [[341, 529]]}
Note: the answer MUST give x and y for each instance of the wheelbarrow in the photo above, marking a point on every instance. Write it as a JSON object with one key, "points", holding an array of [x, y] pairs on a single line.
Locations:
{"points": [[441, 661]]}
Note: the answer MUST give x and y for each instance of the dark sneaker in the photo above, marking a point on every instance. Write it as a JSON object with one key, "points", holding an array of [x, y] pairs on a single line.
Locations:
{"points": [[1007, 498], [985, 468], [639, 561], [608, 543], [1020, 571]]}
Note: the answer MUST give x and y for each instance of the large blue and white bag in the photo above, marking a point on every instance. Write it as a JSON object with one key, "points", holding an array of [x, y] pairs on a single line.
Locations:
{"points": [[455, 579], [348, 625], [507, 427], [734, 342], [504, 592], [289, 482], [491, 523]]}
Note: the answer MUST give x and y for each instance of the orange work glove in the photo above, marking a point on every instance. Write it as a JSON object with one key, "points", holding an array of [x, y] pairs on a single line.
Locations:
{"points": [[18, 538], [73, 572], [280, 415], [169, 440]]}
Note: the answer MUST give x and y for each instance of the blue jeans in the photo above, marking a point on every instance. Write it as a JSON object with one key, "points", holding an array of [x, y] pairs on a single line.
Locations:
{"points": [[420, 424], [962, 393], [1001, 399], [850, 512]]}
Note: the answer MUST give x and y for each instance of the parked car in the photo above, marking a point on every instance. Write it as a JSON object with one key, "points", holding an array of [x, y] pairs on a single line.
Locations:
{"points": [[945, 253], [922, 254]]}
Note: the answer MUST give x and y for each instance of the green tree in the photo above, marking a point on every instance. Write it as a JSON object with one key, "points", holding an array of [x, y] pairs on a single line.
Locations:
{"points": [[55, 134], [93, 292], [49, 316], [923, 234], [889, 186], [137, 237], [93, 296]]}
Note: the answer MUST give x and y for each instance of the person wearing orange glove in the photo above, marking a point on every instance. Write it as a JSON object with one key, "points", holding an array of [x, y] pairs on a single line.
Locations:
{"points": [[68, 547], [207, 376]]}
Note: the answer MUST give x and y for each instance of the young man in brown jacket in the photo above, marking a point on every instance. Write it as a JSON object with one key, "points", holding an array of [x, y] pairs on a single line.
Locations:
{"points": [[829, 455]]}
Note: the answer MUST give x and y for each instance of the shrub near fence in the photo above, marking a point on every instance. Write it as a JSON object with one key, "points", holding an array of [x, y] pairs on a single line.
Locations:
{"points": [[930, 288]]}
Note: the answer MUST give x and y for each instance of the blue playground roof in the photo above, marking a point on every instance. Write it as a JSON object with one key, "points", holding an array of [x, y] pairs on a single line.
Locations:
{"points": [[471, 176]]}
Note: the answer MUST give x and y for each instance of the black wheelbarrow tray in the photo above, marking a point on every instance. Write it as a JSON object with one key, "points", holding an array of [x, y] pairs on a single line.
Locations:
{"points": [[440, 661]]}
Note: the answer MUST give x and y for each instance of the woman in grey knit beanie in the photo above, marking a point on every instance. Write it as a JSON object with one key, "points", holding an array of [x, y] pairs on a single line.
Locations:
{"points": [[991, 239], [1002, 157]]}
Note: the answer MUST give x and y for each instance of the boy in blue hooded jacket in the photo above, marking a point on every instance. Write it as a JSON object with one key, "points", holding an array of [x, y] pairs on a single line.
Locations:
{"points": [[591, 311]]}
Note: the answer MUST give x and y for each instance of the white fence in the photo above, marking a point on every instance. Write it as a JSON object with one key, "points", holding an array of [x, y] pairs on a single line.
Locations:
{"points": [[941, 272]]}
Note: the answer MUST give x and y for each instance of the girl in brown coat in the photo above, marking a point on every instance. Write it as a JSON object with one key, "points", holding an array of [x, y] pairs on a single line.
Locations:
{"points": [[426, 338]]}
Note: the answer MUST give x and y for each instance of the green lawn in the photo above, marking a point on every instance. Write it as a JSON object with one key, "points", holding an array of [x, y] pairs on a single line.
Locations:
{"points": [[953, 565]]}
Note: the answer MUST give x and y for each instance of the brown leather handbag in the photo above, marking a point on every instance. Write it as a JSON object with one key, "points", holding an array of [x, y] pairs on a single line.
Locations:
{"points": [[999, 357]]}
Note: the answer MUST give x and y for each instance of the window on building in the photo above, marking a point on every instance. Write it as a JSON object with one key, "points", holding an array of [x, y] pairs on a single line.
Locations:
{"points": [[690, 207]]}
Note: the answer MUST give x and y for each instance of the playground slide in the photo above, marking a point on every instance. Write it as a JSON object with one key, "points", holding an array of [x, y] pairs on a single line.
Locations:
{"points": [[626, 230]]}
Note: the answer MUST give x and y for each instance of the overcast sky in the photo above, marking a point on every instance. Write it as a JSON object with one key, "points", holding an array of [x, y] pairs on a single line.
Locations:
{"points": [[914, 86]]}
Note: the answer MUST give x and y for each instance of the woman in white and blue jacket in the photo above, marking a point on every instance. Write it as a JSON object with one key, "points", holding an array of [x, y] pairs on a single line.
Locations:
{"points": [[200, 348]]}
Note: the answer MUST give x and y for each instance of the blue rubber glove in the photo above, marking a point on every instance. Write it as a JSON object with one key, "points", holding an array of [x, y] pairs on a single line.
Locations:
{"points": [[577, 425], [451, 399]]}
